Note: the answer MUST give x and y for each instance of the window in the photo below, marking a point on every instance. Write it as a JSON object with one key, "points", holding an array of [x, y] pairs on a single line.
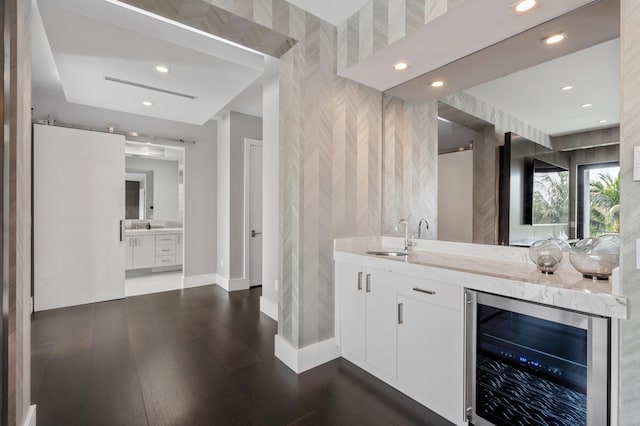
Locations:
{"points": [[598, 199]]}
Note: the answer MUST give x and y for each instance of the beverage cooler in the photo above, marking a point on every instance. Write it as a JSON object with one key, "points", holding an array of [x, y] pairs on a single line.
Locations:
{"points": [[530, 364]]}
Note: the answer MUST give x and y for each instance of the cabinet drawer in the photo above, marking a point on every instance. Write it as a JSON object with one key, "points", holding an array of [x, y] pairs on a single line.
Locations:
{"points": [[441, 294], [165, 260], [168, 250], [165, 239]]}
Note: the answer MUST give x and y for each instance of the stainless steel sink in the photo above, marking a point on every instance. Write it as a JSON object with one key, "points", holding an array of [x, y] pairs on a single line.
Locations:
{"points": [[388, 253]]}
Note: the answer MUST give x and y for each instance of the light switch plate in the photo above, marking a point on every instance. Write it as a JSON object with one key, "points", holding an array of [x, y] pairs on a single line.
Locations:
{"points": [[636, 163]]}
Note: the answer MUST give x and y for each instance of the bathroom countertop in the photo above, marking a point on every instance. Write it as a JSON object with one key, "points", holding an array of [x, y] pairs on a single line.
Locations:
{"points": [[154, 231], [501, 270]]}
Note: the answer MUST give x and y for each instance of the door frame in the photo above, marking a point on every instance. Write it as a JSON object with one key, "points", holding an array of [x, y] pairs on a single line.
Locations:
{"points": [[248, 142]]}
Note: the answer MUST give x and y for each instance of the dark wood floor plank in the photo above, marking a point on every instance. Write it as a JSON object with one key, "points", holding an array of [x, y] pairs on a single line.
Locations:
{"points": [[193, 357]]}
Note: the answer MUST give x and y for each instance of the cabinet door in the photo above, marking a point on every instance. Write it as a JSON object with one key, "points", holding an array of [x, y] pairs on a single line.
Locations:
{"points": [[179, 249], [128, 252], [381, 324], [144, 251], [352, 312], [430, 356]]}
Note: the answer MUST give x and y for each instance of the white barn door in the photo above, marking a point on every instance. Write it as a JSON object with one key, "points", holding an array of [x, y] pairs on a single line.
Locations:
{"points": [[78, 180]]}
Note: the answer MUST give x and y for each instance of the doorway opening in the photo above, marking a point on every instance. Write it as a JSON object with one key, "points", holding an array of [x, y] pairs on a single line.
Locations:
{"points": [[253, 211], [154, 237]]}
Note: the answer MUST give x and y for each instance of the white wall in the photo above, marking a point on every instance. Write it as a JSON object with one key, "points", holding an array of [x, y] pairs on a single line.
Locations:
{"points": [[455, 196], [270, 221], [200, 167], [224, 193], [165, 185], [200, 215]]}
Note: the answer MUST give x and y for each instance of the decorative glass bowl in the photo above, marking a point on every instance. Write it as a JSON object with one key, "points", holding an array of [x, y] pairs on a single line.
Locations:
{"points": [[546, 254], [596, 257]]}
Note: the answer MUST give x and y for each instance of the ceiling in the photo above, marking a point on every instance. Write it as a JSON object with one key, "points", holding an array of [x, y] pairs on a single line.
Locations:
{"points": [[77, 43], [80, 42], [104, 56], [469, 27]]}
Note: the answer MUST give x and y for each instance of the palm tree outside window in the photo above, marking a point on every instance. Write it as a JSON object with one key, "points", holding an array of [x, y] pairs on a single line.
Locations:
{"points": [[598, 199]]}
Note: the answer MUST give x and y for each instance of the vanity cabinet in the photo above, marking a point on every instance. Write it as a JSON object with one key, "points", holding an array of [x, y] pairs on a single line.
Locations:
{"points": [[430, 344], [153, 250], [140, 251], [165, 250], [179, 248], [367, 325], [406, 331]]}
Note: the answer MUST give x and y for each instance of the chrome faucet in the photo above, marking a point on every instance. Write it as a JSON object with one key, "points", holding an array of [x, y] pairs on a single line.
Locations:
{"points": [[406, 233], [426, 222]]}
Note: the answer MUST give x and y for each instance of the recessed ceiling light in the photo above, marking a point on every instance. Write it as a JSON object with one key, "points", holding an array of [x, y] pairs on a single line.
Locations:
{"points": [[566, 88], [587, 105], [162, 69], [525, 6], [603, 121], [147, 103], [556, 38], [400, 66], [437, 83]]}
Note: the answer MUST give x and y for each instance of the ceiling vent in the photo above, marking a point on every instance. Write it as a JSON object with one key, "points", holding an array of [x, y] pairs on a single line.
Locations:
{"points": [[144, 86]]}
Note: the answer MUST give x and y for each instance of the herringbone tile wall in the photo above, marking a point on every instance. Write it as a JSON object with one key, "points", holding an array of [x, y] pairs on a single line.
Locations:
{"points": [[410, 169], [502, 121], [249, 23], [630, 214], [382, 22], [485, 187], [330, 139]]}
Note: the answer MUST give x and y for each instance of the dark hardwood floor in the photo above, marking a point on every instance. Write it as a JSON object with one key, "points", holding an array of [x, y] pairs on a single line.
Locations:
{"points": [[193, 357]]}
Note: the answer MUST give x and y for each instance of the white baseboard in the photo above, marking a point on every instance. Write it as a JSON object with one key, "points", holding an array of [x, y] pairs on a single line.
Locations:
{"points": [[233, 284], [30, 418], [198, 280], [269, 308], [303, 359]]}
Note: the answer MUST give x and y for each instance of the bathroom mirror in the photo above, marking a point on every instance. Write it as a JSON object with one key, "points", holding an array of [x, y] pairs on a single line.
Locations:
{"points": [[570, 108], [153, 182], [138, 194]]}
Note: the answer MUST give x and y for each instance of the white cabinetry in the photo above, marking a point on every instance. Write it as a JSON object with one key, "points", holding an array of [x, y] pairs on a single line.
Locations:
{"points": [[430, 345], [406, 331], [368, 329], [140, 251], [153, 250], [179, 249], [128, 252], [165, 250]]}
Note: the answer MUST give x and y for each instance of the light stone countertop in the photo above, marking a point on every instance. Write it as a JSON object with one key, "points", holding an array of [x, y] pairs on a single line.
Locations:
{"points": [[152, 231], [500, 270]]}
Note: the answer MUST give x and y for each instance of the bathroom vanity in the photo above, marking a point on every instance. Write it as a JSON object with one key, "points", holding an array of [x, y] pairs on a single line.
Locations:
{"points": [[404, 318], [153, 248]]}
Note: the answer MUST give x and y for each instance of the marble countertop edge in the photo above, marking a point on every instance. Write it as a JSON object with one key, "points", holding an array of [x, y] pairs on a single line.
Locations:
{"points": [[153, 231], [506, 275]]}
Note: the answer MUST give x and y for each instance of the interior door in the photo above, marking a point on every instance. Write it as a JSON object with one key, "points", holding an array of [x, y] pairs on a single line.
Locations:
{"points": [[78, 204], [255, 213]]}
